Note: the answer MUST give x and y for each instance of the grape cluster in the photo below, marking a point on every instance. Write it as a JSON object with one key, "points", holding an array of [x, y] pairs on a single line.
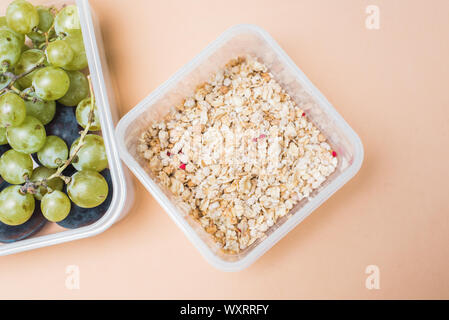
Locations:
{"points": [[47, 113]]}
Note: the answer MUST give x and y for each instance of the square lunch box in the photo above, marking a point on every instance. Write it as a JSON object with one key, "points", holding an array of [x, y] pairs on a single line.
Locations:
{"points": [[123, 192], [237, 41]]}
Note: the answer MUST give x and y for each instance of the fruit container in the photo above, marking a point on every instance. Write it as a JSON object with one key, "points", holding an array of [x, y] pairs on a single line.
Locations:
{"points": [[237, 41], [123, 192]]}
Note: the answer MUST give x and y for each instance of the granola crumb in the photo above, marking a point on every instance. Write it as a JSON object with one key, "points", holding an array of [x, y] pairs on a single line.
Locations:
{"points": [[238, 154]]}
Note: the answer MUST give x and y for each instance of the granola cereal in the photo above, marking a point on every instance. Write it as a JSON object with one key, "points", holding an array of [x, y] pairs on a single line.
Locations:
{"points": [[238, 154]]}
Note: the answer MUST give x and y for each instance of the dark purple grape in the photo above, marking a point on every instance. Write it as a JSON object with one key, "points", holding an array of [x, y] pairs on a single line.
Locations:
{"points": [[36, 159], [81, 217], [68, 172], [4, 185], [10, 234], [64, 125], [4, 148]]}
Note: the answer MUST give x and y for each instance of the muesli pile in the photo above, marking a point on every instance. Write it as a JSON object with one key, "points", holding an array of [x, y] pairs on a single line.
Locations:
{"points": [[239, 154]]}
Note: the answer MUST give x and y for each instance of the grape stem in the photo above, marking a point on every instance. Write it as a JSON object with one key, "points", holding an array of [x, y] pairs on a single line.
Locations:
{"points": [[47, 34], [32, 187], [82, 136], [44, 45], [12, 78], [26, 94]]}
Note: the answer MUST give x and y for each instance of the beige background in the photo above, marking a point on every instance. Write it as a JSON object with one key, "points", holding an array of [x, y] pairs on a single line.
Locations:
{"points": [[391, 85]]}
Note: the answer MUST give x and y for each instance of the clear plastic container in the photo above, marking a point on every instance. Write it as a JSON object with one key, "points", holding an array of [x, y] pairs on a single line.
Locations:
{"points": [[123, 194], [240, 40]]}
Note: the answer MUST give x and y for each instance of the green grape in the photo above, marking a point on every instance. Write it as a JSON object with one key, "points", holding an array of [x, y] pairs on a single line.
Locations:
{"points": [[25, 48], [14, 166], [42, 110], [82, 115], [10, 47], [79, 61], [15, 208], [59, 53], [45, 18], [41, 173], [29, 137], [29, 60], [92, 154], [67, 20], [78, 90], [3, 139], [53, 153], [87, 189], [51, 83], [4, 25], [45, 22], [36, 38], [12, 110], [22, 16], [55, 206]]}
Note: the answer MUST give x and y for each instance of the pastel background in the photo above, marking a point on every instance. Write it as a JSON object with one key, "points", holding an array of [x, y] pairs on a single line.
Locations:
{"points": [[392, 87]]}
